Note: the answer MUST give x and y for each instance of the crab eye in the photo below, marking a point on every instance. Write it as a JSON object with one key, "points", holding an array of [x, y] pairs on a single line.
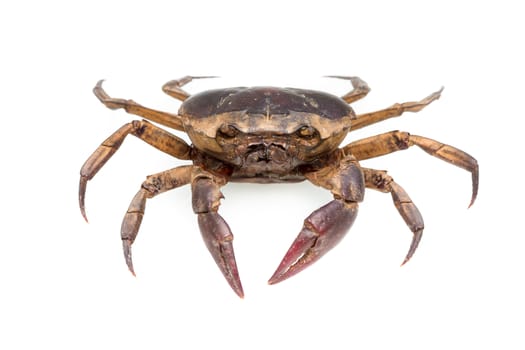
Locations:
{"points": [[228, 131], [306, 132]]}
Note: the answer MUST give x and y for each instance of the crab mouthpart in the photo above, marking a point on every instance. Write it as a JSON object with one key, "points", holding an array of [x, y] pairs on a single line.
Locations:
{"points": [[264, 152]]}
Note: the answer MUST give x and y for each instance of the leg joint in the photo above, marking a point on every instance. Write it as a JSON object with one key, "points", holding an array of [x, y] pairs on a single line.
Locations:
{"points": [[153, 186], [402, 140], [139, 127], [206, 195], [378, 180]]}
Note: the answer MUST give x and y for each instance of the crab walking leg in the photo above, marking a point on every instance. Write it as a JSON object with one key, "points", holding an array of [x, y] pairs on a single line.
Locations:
{"points": [[360, 88], [393, 141], [379, 180], [215, 231], [326, 226], [395, 110], [167, 119], [145, 131], [173, 87], [154, 185]]}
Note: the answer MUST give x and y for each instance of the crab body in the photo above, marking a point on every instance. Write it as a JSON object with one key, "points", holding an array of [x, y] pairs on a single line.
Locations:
{"points": [[265, 135]]}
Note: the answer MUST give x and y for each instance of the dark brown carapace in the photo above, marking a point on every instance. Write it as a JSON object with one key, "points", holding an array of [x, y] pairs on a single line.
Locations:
{"points": [[266, 135]]}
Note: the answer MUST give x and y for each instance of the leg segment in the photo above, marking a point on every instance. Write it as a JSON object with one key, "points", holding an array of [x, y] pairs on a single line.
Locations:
{"points": [[145, 131], [154, 185], [173, 87], [215, 231], [395, 110], [393, 141], [167, 119], [326, 226], [379, 180], [360, 88]]}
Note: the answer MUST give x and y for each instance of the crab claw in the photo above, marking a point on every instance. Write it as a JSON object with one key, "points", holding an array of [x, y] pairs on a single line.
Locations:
{"points": [[322, 230], [218, 238]]}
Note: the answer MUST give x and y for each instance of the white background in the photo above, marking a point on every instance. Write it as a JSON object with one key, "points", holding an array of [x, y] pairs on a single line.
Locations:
{"points": [[64, 284]]}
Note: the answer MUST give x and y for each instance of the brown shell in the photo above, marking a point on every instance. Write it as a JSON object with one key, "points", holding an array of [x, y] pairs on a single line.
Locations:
{"points": [[280, 110], [263, 100]]}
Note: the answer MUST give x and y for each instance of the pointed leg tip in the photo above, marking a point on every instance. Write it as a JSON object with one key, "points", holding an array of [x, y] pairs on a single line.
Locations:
{"points": [[475, 183], [83, 212], [473, 198], [418, 234], [130, 267], [98, 90], [204, 77], [82, 195], [345, 77], [82, 207], [407, 258], [126, 245]]}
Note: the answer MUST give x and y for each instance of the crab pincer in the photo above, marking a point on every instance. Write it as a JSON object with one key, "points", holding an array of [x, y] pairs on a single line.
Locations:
{"points": [[214, 229], [219, 240], [322, 231]]}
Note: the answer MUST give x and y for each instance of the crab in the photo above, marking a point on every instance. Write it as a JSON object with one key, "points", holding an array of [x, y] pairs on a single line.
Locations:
{"points": [[269, 135]]}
